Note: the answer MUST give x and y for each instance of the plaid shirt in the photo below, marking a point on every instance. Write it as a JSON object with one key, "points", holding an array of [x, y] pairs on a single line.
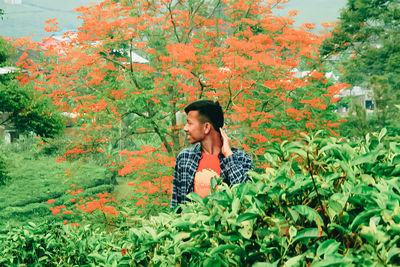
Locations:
{"points": [[233, 171]]}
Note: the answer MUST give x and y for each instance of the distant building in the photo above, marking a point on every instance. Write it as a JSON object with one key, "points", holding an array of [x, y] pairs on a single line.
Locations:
{"points": [[363, 97], [134, 58], [7, 131], [55, 39], [5, 70]]}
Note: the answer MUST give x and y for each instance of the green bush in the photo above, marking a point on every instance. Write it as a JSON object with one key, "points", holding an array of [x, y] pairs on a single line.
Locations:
{"points": [[56, 245], [3, 171], [321, 202]]}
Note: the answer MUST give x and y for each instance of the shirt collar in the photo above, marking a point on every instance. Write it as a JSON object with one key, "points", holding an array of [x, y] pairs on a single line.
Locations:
{"points": [[197, 148]]}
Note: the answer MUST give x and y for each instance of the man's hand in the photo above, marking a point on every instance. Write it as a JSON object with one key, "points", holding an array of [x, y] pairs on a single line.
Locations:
{"points": [[226, 144]]}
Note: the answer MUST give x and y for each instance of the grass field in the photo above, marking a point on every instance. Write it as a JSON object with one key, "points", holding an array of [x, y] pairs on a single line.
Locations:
{"points": [[29, 17], [36, 178]]}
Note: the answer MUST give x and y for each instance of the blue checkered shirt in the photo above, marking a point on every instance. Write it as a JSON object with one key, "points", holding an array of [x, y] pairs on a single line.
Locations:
{"points": [[233, 171]]}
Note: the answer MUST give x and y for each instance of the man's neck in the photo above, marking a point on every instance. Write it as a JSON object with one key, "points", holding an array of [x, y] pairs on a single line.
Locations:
{"points": [[211, 144]]}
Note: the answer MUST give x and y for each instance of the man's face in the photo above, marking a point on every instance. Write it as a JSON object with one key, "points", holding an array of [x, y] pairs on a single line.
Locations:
{"points": [[194, 129]]}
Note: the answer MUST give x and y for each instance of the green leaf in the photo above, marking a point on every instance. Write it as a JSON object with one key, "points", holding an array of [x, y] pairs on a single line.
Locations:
{"points": [[365, 158], [215, 181], [382, 134], [266, 264], [230, 237], [393, 251], [309, 233], [395, 147], [292, 231], [43, 258], [339, 227], [362, 190], [328, 247], [223, 248], [363, 218], [346, 168], [32, 224], [331, 261], [368, 179], [98, 257], [182, 225], [336, 204], [246, 216], [309, 213], [328, 147], [295, 261], [241, 252], [246, 229], [396, 171], [396, 160], [180, 236], [305, 136], [212, 262], [152, 232], [300, 152], [195, 197], [235, 206]]}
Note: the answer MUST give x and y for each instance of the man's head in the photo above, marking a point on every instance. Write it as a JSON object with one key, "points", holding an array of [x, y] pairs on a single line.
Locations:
{"points": [[203, 117]]}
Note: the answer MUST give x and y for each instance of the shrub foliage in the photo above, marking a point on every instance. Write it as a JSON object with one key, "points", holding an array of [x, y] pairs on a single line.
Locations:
{"points": [[321, 202], [3, 171]]}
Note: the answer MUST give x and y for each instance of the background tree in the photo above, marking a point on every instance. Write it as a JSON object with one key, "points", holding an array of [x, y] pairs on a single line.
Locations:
{"points": [[357, 124], [234, 51], [366, 39], [25, 108]]}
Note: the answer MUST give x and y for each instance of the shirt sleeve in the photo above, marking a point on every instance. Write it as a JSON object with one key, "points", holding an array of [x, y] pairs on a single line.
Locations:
{"points": [[176, 185], [236, 167]]}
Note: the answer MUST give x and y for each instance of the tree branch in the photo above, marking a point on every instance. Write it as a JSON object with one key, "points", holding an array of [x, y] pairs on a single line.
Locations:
{"points": [[173, 21]]}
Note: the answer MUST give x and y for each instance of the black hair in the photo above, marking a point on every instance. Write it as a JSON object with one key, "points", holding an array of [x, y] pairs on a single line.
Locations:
{"points": [[209, 111]]}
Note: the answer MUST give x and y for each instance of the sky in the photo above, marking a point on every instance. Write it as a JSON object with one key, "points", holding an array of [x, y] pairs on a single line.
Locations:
{"points": [[28, 18]]}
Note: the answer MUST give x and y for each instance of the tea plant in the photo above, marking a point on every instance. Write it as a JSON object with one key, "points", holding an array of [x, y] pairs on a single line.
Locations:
{"points": [[321, 202]]}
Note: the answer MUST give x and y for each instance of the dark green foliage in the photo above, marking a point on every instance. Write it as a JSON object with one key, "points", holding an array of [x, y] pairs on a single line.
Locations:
{"points": [[3, 171], [7, 51], [55, 245], [26, 109], [321, 202], [357, 124], [29, 111], [367, 38]]}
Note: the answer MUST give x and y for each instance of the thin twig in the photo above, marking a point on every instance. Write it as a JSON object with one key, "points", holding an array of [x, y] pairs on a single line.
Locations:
{"points": [[318, 196]]}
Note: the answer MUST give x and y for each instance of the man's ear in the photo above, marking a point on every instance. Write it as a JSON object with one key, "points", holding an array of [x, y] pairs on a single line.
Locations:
{"points": [[207, 127]]}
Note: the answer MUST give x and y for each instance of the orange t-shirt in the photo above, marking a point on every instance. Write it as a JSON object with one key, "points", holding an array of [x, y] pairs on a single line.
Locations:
{"points": [[208, 167]]}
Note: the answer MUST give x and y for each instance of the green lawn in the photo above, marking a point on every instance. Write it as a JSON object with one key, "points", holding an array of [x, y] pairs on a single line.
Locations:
{"points": [[34, 180]]}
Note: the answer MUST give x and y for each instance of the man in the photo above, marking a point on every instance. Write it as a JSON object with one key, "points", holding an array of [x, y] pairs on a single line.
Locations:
{"points": [[212, 154]]}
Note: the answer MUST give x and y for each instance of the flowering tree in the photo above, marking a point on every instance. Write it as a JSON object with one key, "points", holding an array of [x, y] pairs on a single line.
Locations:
{"points": [[133, 65]]}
